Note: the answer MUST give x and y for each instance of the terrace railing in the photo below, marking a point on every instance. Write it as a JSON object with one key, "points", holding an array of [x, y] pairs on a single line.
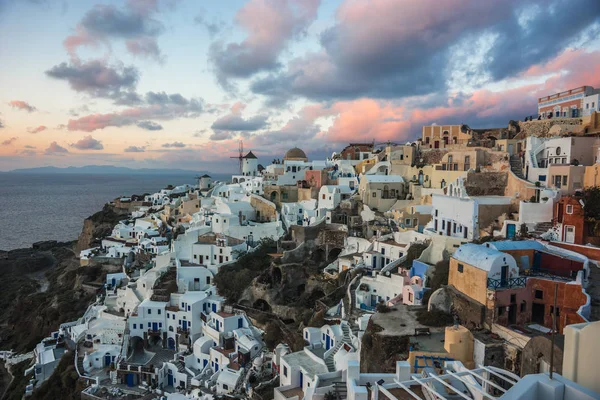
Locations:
{"points": [[511, 283]]}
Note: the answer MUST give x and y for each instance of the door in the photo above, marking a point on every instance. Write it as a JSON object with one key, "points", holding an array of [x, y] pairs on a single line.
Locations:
{"points": [[436, 144], [537, 313], [130, 380], [171, 343], [504, 276], [184, 325], [220, 259], [537, 260], [113, 282], [214, 307], [327, 342], [373, 300], [374, 262], [570, 234], [510, 231], [107, 360], [301, 380], [155, 326], [512, 314], [170, 378]]}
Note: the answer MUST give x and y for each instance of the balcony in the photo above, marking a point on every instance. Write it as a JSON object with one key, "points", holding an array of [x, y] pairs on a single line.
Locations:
{"points": [[182, 330], [511, 283]]}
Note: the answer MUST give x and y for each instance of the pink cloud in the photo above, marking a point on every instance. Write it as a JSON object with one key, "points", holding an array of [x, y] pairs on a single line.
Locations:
{"points": [[22, 105], [270, 24], [37, 129], [55, 149]]}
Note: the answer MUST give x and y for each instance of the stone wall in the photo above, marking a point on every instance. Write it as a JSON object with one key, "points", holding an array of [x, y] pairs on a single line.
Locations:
{"points": [[542, 128], [486, 183]]}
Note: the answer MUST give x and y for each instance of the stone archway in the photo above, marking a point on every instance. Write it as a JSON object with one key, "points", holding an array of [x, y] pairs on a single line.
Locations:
{"points": [[262, 305], [333, 254], [276, 275]]}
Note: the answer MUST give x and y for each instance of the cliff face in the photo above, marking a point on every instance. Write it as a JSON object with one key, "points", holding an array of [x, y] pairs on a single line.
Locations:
{"points": [[98, 226]]}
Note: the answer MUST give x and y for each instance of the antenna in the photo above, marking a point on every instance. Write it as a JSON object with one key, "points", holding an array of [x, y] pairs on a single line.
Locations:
{"points": [[240, 157]]}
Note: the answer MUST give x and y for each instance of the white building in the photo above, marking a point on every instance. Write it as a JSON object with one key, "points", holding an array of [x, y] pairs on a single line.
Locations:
{"points": [[456, 214]]}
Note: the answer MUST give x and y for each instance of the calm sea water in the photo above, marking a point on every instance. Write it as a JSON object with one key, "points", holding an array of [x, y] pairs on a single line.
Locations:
{"points": [[35, 207]]}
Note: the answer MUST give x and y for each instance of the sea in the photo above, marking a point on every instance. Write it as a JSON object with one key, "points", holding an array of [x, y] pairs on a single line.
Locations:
{"points": [[37, 206]]}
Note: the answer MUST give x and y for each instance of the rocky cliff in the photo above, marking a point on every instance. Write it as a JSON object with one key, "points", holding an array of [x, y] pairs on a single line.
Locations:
{"points": [[98, 226]]}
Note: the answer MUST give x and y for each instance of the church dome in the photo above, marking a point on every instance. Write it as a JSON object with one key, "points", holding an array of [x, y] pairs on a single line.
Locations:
{"points": [[295, 154]]}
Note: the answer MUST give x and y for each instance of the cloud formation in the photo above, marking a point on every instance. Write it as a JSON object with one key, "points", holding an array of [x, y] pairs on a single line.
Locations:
{"points": [[55, 149], [173, 145], [135, 149], [149, 125], [1, 124], [158, 105], [400, 48], [37, 129], [98, 79], [135, 23], [22, 105], [9, 141], [88, 143], [270, 25], [235, 122]]}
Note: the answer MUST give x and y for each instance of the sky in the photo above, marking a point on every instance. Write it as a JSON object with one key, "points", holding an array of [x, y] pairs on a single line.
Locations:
{"points": [[178, 83]]}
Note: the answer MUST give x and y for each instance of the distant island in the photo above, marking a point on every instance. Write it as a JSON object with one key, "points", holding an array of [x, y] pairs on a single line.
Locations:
{"points": [[105, 169]]}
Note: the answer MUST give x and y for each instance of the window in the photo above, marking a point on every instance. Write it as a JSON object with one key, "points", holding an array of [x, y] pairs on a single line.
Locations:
{"points": [[569, 209], [500, 311], [558, 151], [523, 306], [539, 294], [134, 326], [513, 298], [564, 182], [374, 194], [208, 280], [225, 387], [159, 311], [149, 311], [285, 371], [460, 268]]}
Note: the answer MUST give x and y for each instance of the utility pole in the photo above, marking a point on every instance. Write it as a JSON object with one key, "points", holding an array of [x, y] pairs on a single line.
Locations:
{"points": [[553, 330]]}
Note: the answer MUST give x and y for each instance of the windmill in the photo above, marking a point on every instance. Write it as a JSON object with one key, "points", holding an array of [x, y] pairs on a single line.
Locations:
{"points": [[240, 157]]}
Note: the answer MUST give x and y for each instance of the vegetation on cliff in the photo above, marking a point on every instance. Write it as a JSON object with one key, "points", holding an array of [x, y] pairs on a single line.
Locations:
{"points": [[233, 279]]}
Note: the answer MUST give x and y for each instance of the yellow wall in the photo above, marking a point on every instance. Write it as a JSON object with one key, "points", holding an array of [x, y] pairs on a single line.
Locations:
{"points": [[592, 176], [472, 281]]}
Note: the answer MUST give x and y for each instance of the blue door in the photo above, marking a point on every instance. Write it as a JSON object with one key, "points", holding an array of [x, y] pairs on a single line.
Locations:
{"points": [[510, 231], [155, 326], [537, 260], [184, 324], [301, 380], [240, 323], [107, 360], [373, 300], [113, 282], [374, 263], [170, 378], [327, 342], [214, 307], [216, 367], [171, 342], [204, 363], [130, 380]]}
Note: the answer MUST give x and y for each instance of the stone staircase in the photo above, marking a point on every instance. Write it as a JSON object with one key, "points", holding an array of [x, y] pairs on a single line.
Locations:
{"points": [[329, 360], [516, 166], [540, 228], [80, 366], [347, 339]]}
